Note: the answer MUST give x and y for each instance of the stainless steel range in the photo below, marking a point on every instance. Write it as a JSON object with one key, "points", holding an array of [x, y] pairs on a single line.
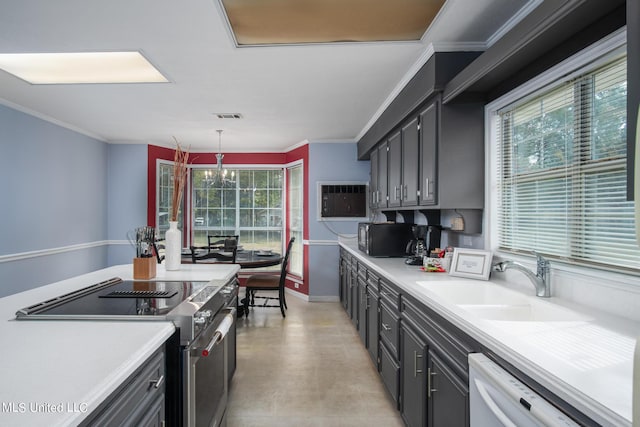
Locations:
{"points": [[204, 316]]}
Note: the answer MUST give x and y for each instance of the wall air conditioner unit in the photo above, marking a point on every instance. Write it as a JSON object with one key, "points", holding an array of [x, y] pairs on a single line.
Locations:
{"points": [[343, 201]]}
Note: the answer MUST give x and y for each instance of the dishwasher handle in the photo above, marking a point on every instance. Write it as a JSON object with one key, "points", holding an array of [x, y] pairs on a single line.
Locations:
{"points": [[492, 405]]}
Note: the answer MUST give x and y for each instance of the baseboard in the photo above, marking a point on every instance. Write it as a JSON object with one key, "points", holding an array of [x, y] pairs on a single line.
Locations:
{"points": [[326, 298], [307, 298]]}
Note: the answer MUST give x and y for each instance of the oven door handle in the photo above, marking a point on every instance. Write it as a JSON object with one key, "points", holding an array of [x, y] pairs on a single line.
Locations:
{"points": [[221, 330]]}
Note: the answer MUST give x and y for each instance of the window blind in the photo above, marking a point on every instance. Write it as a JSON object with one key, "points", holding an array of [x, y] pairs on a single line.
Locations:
{"points": [[562, 172]]}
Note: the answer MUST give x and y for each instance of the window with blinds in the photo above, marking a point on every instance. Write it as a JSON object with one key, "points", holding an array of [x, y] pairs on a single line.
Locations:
{"points": [[562, 172]]}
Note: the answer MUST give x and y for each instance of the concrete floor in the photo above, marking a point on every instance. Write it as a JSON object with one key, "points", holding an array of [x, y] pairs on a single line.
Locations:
{"points": [[309, 369]]}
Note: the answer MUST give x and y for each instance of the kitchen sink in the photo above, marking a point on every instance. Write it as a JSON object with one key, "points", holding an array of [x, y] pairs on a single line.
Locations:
{"points": [[534, 312], [475, 293], [493, 302]]}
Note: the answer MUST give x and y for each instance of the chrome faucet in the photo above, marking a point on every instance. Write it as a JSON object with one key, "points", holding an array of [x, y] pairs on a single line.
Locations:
{"points": [[541, 280]]}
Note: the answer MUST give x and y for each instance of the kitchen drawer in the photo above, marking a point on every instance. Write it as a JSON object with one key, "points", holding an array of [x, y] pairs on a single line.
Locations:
{"points": [[389, 325], [137, 399], [389, 295], [390, 372], [451, 344], [362, 271], [373, 281]]}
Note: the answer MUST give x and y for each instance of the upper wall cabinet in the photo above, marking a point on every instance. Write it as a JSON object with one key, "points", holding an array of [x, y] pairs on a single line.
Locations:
{"points": [[435, 159], [404, 164], [394, 171], [430, 79], [413, 136], [379, 183], [428, 154], [411, 162]]}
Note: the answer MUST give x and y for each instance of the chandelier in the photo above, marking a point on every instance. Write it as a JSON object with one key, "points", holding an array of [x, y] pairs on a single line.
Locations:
{"points": [[219, 175]]}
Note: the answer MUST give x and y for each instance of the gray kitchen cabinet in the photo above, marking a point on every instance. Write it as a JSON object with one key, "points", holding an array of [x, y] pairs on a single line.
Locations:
{"points": [[390, 372], [139, 401], [428, 155], [379, 181], [414, 378], [422, 359], [394, 169], [348, 286], [373, 319], [344, 278], [362, 304], [383, 179], [373, 180], [435, 159], [460, 155], [434, 388], [447, 394], [352, 296], [389, 333], [410, 162]]}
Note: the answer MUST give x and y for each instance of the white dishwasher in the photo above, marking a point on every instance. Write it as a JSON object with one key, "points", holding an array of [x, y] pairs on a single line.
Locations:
{"points": [[496, 398]]}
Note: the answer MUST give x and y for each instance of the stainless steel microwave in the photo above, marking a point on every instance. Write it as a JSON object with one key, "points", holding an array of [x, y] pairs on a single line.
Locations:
{"points": [[385, 239]]}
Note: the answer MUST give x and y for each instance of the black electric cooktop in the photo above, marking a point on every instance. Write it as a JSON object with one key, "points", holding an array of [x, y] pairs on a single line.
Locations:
{"points": [[116, 297]]}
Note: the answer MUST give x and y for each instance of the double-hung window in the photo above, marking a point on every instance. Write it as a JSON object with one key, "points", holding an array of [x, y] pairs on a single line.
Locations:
{"points": [[249, 205], [562, 171]]}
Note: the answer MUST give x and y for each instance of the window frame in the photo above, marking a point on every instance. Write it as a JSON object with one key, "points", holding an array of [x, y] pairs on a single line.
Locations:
{"points": [[237, 167], [593, 57], [297, 250], [187, 199]]}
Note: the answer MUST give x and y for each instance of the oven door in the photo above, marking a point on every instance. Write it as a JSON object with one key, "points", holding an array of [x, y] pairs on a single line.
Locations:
{"points": [[205, 374]]}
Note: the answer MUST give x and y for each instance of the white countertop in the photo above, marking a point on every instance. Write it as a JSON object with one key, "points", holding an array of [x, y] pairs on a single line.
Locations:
{"points": [[588, 363], [58, 372]]}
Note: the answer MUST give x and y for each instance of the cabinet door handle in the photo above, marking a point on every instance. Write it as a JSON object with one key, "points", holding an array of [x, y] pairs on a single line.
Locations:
{"points": [[156, 383], [386, 327], [404, 196], [426, 187], [430, 374], [416, 371], [396, 192]]}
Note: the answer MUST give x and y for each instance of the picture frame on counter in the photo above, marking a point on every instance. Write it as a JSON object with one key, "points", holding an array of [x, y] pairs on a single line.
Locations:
{"points": [[471, 263]]}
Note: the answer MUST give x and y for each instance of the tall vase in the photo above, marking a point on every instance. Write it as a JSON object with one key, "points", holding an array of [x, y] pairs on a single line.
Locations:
{"points": [[173, 247]]}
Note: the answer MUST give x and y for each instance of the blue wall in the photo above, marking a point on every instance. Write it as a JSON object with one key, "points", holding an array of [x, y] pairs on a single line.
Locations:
{"points": [[329, 162], [68, 201], [126, 198], [59, 207]]}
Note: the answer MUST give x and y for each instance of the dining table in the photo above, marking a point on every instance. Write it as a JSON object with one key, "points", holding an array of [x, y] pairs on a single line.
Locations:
{"points": [[245, 258]]}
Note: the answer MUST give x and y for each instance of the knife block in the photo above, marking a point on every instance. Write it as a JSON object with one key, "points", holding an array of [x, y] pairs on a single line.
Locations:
{"points": [[144, 268]]}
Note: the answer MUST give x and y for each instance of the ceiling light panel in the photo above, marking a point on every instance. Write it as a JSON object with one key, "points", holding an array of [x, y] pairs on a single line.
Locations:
{"points": [[269, 22], [81, 67]]}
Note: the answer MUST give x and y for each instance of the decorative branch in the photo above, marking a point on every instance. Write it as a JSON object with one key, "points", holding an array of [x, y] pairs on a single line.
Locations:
{"points": [[179, 178]]}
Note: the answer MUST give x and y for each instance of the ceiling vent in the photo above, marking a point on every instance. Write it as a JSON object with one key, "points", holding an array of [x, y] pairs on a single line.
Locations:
{"points": [[228, 115]]}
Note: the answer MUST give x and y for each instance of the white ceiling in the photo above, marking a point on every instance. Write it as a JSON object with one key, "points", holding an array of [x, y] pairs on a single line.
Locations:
{"points": [[286, 94]]}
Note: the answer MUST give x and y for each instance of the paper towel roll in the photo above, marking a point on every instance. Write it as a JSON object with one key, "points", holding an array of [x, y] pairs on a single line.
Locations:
{"points": [[224, 326]]}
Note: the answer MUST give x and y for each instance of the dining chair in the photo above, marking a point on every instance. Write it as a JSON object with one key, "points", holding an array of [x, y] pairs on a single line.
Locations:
{"points": [[268, 282], [228, 257], [228, 241]]}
